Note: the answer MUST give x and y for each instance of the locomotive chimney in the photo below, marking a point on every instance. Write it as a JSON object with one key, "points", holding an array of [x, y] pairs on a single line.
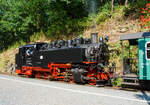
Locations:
{"points": [[94, 37]]}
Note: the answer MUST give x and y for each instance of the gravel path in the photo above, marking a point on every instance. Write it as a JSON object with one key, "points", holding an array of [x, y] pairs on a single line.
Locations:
{"points": [[25, 91]]}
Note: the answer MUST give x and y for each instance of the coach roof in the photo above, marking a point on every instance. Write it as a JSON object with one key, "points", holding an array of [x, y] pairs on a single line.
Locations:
{"points": [[135, 36]]}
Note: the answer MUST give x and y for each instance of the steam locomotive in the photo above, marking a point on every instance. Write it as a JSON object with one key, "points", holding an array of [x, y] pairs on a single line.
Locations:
{"points": [[80, 60]]}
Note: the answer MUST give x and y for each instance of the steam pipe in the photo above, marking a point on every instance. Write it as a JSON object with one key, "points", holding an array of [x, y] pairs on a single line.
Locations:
{"points": [[94, 37]]}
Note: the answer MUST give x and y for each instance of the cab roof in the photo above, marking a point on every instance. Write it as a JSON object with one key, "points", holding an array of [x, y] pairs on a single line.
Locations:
{"points": [[32, 45], [134, 36], [28, 45]]}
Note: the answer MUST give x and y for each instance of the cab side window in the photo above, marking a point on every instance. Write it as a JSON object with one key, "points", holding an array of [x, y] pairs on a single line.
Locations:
{"points": [[148, 51]]}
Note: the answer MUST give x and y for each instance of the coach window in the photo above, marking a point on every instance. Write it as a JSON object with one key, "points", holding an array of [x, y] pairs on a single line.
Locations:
{"points": [[148, 51]]}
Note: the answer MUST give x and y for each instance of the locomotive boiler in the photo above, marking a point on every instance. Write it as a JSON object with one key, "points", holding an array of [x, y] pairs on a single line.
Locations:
{"points": [[78, 60]]}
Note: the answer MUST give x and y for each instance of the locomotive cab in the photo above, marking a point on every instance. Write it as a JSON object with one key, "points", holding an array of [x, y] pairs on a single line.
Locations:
{"points": [[24, 57]]}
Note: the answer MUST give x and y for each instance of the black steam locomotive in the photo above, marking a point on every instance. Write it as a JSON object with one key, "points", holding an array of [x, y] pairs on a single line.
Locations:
{"points": [[79, 60]]}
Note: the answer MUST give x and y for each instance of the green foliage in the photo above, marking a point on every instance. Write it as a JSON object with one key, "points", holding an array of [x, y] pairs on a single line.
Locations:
{"points": [[104, 13], [119, 12], [64, 19], [115, 51], [19, 19], [117, 48], [15, 23], [117, 82]]}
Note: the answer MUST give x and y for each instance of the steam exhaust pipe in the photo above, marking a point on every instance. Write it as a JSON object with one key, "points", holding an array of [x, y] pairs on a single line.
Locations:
{"points": [[94, 37]]}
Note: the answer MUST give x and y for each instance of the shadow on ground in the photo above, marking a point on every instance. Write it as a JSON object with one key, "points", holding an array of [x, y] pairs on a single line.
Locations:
{"points": [[144, 96]]}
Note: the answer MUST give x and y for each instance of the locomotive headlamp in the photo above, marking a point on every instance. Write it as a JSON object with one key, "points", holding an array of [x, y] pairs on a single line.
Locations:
{"points": [[101, 39]]}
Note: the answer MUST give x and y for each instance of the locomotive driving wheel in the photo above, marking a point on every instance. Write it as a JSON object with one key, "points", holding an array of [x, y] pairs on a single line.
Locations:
{"points": [[78, 76]]}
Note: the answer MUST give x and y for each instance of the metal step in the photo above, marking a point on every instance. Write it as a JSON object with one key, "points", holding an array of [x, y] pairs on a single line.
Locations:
{"points": [[130, 80], [130, 77], [127, 83]]}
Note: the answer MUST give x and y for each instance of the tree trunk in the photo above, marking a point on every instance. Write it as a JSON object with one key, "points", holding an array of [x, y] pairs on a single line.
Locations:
{"points": [[112, 7], [126, 3]]}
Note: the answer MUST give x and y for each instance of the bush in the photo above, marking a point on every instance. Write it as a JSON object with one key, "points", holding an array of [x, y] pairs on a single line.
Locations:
{"points": [[104, 13], [117, 82]]}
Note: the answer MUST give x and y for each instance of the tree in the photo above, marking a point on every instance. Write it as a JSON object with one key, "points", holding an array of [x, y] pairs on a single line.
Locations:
{"points": [[19, 19], [126, 3], [112, 7]]}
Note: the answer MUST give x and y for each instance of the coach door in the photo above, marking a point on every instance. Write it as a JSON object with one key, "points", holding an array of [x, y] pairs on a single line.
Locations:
{"points": [[144, 59]]}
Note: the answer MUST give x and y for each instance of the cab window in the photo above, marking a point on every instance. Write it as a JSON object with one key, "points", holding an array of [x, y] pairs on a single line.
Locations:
{"points": [[148, 50]]}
